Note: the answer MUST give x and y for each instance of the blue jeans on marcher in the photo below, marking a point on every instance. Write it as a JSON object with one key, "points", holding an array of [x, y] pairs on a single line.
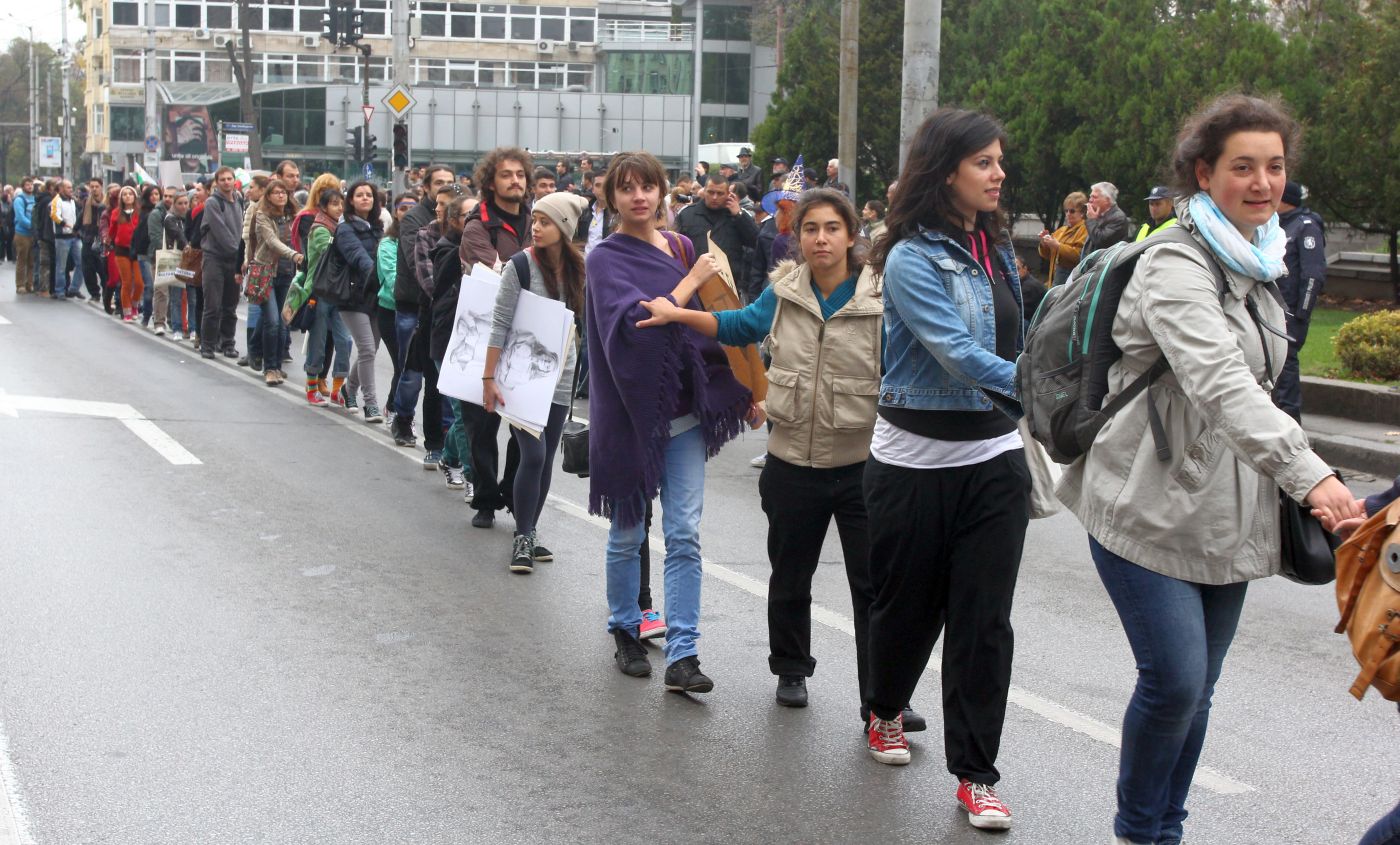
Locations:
{"points": [[411, 382], [328, 317], [63, 249], [263, 345], [1386, 831], [682, 500], [148, 276], [1179, 633]]}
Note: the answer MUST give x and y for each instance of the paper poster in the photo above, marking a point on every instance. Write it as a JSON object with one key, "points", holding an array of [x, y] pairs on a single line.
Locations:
{"points": [[726, 272], [531, 358]]}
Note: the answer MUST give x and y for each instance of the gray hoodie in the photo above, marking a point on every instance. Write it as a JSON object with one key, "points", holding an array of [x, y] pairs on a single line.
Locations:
{"points": [[221, 227]]}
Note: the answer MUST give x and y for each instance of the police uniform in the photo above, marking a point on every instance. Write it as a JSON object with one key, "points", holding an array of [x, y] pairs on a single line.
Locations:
{"points": [[1306, 261]]}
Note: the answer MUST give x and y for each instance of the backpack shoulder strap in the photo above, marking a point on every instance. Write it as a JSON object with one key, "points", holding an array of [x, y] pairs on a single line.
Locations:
{"points": [[521, 262]]}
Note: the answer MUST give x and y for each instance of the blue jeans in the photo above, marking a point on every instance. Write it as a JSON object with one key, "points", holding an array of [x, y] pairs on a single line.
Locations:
{"points": [[682, 499], [148, 277], [264, 337], [411, 381], [327, 317], [63, 249], [1386, 831], [1179, 633]]}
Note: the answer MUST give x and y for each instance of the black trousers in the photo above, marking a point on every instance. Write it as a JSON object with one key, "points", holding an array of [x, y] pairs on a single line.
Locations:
{"points": [[800, 503], [94, 270], [489, 494], [945, 549], [218, 326], [1288, 390]]}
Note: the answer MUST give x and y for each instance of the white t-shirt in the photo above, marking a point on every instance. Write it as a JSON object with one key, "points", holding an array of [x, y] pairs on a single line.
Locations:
{"points": [[894, 446], [595, 230]]}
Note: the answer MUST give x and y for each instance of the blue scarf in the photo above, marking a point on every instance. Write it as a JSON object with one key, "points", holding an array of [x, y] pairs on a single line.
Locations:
{"points": [[1260, 258]]}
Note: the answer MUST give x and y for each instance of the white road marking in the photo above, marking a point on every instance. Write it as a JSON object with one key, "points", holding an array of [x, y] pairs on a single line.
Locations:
{"points": [[4, 322], [153, 435], [1206, 777], [14, 822]]}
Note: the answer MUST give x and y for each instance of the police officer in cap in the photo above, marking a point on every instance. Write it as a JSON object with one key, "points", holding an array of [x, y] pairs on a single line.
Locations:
{"points": [[1306, 261], [748, 173], [1162, 211]]}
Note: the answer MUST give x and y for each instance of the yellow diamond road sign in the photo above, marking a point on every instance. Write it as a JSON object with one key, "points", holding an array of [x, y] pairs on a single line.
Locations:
{"points": [[400, 101]]}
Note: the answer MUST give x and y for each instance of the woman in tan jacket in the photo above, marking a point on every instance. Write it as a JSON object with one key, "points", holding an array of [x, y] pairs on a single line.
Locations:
{"points": [[1177, 540], [1062, 248], [269, 227]]}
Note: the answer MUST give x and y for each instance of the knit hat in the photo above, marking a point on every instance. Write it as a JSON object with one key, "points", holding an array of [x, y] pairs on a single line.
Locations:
{"points": [[563, 208], [1293, 193]]}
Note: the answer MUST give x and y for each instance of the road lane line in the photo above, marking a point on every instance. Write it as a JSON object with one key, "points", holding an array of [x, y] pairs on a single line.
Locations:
{"points": [[14, 822], [1206, 777], [4, 322], [153, 435]]}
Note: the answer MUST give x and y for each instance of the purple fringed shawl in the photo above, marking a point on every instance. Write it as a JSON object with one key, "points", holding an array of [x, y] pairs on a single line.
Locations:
{"points": [[634, 376]]}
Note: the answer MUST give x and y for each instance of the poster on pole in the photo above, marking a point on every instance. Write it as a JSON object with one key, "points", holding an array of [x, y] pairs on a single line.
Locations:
{"points": [[50, 151], [531, 359]]}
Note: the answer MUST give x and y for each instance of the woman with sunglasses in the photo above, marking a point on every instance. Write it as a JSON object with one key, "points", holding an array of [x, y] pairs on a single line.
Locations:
{"points": [[1062, 248]]}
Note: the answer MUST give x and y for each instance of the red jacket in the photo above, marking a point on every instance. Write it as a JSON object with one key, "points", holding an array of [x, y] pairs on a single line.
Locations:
{"points": [[121, 232]]}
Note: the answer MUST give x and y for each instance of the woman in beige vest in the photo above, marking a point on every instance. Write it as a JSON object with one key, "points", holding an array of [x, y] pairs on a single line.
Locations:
{"points": [[824, 316]]}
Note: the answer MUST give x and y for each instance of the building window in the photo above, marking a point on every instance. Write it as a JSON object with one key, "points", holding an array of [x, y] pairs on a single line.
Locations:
{"points": [[99, 121], [162, 14], [582, 29], [430, 71], [727, 23], [128, 123], [97, 17], [718, 130], [280, 17], [724, 78], [375, 20], [432, 18], [218, 16], [280, 69], [311, 68], [188, 67], [490, 74], [522, 75], [580, 77], [493, 23], [649, 73], [126, 14], [126, 68], [218, 69], [188, 15]]}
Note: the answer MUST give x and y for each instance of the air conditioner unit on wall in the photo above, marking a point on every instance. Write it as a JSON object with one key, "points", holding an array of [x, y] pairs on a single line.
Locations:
{"points": [[221, 40], [310, 41], [573, 46], [544, 46], [240, 42], [202, 35]]}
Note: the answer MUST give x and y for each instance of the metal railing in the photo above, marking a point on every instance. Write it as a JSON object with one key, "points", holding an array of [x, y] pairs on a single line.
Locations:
{"points": [[611, 31]]}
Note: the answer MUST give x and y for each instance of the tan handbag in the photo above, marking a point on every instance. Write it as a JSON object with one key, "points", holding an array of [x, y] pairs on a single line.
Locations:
{"points": [[1368, 595]]}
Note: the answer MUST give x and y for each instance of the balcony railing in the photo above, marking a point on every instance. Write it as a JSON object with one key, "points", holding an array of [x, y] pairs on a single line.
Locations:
{"points": [[631, 32]]}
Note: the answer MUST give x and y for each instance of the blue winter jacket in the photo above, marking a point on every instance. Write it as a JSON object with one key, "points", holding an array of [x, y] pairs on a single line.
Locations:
{"points": [[941, 349], [24, 214]]}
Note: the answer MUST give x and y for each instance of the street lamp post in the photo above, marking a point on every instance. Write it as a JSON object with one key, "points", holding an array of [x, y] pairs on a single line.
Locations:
{"points": [[33, 99]]}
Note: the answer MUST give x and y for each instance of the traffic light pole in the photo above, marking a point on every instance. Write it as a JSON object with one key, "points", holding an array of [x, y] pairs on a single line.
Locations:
{"points": [[398, 152], [364, 102]]}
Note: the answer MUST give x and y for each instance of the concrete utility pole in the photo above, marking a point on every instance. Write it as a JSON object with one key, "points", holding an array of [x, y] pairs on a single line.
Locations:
{"points": [[923, 20], [152, 103], [699, 77], [848, 96], [67, 160], [33, 108]]}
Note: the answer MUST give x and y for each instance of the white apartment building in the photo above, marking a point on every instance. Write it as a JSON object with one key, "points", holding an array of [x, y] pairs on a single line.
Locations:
{"points": [[595, 75]]}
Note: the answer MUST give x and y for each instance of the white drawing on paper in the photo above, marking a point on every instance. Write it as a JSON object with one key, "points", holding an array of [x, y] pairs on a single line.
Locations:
{"points": [[471, 326], [524, 358]]}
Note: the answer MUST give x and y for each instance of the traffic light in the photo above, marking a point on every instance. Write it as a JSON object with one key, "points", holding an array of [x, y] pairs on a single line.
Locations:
{"points": [[353, 145], [400, 145], [330, 25], [354, 24], [371, 150]]}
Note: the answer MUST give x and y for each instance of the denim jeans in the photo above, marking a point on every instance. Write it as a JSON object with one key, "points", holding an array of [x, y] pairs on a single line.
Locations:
{"points": [[328, 317], [682, 500], [1386, 831], [411, 381], [263, 344], [1179, 633], [148, 293], [456, 451], [63, 249]]}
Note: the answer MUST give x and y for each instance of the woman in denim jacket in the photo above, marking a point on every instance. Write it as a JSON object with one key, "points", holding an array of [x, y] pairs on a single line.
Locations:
{"points": [[947, 487]]}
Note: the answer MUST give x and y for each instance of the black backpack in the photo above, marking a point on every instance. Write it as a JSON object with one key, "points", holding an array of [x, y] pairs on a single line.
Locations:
{"points": [[1062, 375]]}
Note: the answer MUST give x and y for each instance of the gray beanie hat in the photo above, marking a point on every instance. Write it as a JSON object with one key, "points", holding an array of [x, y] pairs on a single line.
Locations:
{"points": [[564, 209]]}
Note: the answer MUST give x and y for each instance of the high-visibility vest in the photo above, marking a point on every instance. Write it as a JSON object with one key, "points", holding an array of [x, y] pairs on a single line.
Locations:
{"points": [[1145, 230]]}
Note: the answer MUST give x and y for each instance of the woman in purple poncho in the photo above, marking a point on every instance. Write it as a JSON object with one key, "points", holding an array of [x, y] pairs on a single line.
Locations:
{"points": [[661, 401]]}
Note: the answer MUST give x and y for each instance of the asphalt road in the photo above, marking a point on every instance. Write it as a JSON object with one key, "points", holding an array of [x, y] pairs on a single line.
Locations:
{"points": [[301, 639]]}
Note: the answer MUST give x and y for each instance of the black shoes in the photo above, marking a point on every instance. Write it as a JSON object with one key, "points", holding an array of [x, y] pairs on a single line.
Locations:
{"points": [[631, 656], [486, 519], [685, 676], [913, 722], [521, 559], [792, 691], [230, 352], [540, 553], [207, 353], [403, 432]]}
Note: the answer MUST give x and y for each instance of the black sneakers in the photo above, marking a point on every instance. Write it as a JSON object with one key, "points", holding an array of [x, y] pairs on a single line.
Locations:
{"points": [[522, 555], [792, 691], [631, 656], [540, 553], [484, 519], [403, 432], [685, 676]]}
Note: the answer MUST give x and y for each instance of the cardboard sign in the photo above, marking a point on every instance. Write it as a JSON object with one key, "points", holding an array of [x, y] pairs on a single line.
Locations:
{"points": [[720, 293]]}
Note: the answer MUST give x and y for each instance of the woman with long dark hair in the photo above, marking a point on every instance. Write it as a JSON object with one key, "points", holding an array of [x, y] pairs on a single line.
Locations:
{"points": [[330, 204], [661, 401], [144, 250], [1176, 541], [946, 486], [556, 272], [271, 254], [125, 220], [357, 241], [387, 264]]}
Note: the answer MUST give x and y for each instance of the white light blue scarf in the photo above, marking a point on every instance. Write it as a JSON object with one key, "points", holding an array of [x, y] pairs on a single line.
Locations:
{"points": [[1261, 259]]}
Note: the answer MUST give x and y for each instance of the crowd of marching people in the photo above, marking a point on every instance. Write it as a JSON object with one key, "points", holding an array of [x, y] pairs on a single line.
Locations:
{"points": [[890, 337]]}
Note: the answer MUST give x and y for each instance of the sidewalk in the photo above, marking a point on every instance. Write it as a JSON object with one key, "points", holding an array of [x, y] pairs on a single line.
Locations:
{"points": [[1369, 447]]}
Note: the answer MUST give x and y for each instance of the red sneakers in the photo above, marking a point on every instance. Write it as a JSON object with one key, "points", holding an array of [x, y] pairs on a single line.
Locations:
{"points": [[887, 742], [984, 809], [313, 397], [653, 625]]}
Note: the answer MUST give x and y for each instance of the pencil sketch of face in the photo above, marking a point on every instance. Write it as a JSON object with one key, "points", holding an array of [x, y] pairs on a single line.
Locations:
{"points": [[524, 358], [469, 329]]}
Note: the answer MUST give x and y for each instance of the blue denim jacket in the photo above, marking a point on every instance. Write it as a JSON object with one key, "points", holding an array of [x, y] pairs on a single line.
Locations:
{"points": [[941, 353]]}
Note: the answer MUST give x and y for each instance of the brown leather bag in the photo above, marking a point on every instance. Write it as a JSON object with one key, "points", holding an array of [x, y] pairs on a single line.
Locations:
{"points": [[1368, 595], [191, 270]]}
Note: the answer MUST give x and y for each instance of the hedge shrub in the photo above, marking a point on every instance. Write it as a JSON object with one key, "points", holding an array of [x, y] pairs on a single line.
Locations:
{"points": [[1370, 345]]}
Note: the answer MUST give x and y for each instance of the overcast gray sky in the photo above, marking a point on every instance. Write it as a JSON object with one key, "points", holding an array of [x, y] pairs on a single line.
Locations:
{"points": [[43, 15]]}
